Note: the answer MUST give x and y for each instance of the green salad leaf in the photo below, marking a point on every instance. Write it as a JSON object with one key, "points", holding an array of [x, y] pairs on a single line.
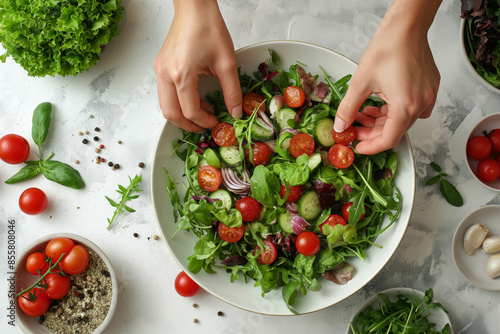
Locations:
{"points": [[49, 37]]}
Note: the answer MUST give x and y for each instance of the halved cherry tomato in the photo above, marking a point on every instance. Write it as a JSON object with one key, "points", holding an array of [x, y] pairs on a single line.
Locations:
{"points": [[56, 247], [479, 147], [294, 97], [261, 154], [249, 208], [346, 210], [230, 234], [307, 243], [209, 178], [14, 149], [268, 255], [345, 137], [251, 101], [185, 286], [341, 156], [33, 201], [57, 285], [494, 137], [302, 143], [76, 261], [36, 262], [333, 220], [488, 170], [295, 192], [36, 307], [223, 134]]}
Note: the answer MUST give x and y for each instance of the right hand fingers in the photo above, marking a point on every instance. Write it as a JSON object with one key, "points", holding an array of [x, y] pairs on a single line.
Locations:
{"points": [[348, 109], [227, 74]]}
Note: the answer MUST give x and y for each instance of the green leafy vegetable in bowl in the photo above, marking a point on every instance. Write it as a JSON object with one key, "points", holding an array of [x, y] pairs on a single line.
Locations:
{"points": [[481, 38], [49, 37]]}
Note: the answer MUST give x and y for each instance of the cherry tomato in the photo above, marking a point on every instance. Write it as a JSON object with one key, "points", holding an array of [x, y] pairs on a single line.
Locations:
{"points": [[295, 192], [57, 285], [478, 148], [294, 97], [14, 149], [230, 234], [185, 286], [76, 261], [251, 101], [261, 154], [209, 178], [307, 243], [345, 137], [223, 134], [268, 255], [494, 138], [249, 208], [346, 209], [302, 143], [37, 307], [56, 247], [341, 156], [488, 170], [333, 220], [33, 201], [36, 261]]}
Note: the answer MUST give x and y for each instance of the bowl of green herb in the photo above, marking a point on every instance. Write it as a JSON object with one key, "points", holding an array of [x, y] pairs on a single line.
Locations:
{"points": [[401, 310], [479, 37]]}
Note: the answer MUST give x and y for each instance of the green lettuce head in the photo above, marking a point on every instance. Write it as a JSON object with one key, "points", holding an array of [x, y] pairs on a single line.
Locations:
{"points": [[61, 37]]}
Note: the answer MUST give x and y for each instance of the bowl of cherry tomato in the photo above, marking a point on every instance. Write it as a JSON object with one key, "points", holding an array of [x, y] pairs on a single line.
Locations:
{"points": [[482, 152], [50, 272]]}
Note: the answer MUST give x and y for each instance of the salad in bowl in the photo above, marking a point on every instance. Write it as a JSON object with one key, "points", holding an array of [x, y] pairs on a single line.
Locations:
{"points": [[278, 199]]}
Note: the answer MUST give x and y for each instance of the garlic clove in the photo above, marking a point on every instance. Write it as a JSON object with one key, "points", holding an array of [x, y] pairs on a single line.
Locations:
{"points": [[491, 244], [474, 237], [493, 266]]}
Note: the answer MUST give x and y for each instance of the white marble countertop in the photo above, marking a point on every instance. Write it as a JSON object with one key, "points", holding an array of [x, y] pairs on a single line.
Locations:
{"points": [[120, 93]]}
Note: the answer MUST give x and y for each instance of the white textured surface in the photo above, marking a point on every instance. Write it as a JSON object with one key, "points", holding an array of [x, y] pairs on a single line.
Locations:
{"points": [[120, 91]]}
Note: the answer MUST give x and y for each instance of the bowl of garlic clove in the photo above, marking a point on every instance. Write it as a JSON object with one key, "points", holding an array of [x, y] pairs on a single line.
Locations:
{"points": [[476, 248]]}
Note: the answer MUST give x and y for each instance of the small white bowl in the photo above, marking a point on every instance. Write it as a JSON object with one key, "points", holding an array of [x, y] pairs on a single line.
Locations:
{"points": [[487, 124], [436, 315], [472, 267], [24, 279], [469, 65]]}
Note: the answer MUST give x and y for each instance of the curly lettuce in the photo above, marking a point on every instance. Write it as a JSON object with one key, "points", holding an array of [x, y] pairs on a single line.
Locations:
{"points": [[49, 37]]}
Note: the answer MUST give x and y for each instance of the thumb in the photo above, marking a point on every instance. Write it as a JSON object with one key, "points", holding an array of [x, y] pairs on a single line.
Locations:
{"points": [[350, 105], [231, 90]]}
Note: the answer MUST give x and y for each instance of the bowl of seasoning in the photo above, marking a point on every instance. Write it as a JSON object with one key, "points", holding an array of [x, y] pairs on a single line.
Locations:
{"points": [[77, 293]]}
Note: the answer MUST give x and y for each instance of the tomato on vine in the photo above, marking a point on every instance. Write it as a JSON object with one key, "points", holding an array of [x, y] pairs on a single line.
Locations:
{"points": [[57, 286], [76, 260], [56, 247], [36, 264], [34, 303]]}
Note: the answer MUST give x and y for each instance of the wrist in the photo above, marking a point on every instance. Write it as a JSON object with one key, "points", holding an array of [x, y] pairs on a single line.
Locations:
{"points": [[411, 15]]}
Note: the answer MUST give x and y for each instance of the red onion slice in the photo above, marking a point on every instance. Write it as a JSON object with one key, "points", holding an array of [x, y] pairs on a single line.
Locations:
{"points": [[298, 224], [292, 208], [275, 105], [234, 184], [264, 121]]}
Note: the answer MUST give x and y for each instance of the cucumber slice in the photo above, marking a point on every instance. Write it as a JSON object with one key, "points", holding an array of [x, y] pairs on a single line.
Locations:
{"points": [[323, 132], [230, 154], [314, 161], [284, 222], [259, 133], [308, 205], [284, 115], [211, 158], [225, 196]]}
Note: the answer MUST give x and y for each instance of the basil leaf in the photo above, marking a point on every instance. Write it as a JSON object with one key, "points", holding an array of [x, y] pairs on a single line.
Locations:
{"points": [[433, 180], [26, 173], [265, 186], [62, 173], [451, 193], [41, 122], [436, 167]]}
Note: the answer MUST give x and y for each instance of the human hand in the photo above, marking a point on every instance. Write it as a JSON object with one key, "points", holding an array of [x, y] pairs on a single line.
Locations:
{"points": [[398, 66], [198, 42]]}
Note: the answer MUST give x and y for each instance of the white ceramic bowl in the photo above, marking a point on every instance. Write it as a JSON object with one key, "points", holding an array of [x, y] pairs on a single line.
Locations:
{"points": [[24, 279], [487, 124], [468, 64], [437, 316], [246, 296], [472, 267]]}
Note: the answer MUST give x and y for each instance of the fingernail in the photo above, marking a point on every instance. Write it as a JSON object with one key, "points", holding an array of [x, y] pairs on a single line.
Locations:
{"points": [[237, 112], [339, 125]]}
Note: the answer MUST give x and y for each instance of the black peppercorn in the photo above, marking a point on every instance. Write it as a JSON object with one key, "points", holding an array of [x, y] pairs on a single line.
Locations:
{"points": [[141, 164], [96, 138], [220, 313], [136, 235], [117, 166], [85, 140], [110, 164], [97, 129]]}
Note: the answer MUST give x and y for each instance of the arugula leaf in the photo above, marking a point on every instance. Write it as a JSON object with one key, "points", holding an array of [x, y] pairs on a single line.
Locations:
{"points": [[126, 196]]}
